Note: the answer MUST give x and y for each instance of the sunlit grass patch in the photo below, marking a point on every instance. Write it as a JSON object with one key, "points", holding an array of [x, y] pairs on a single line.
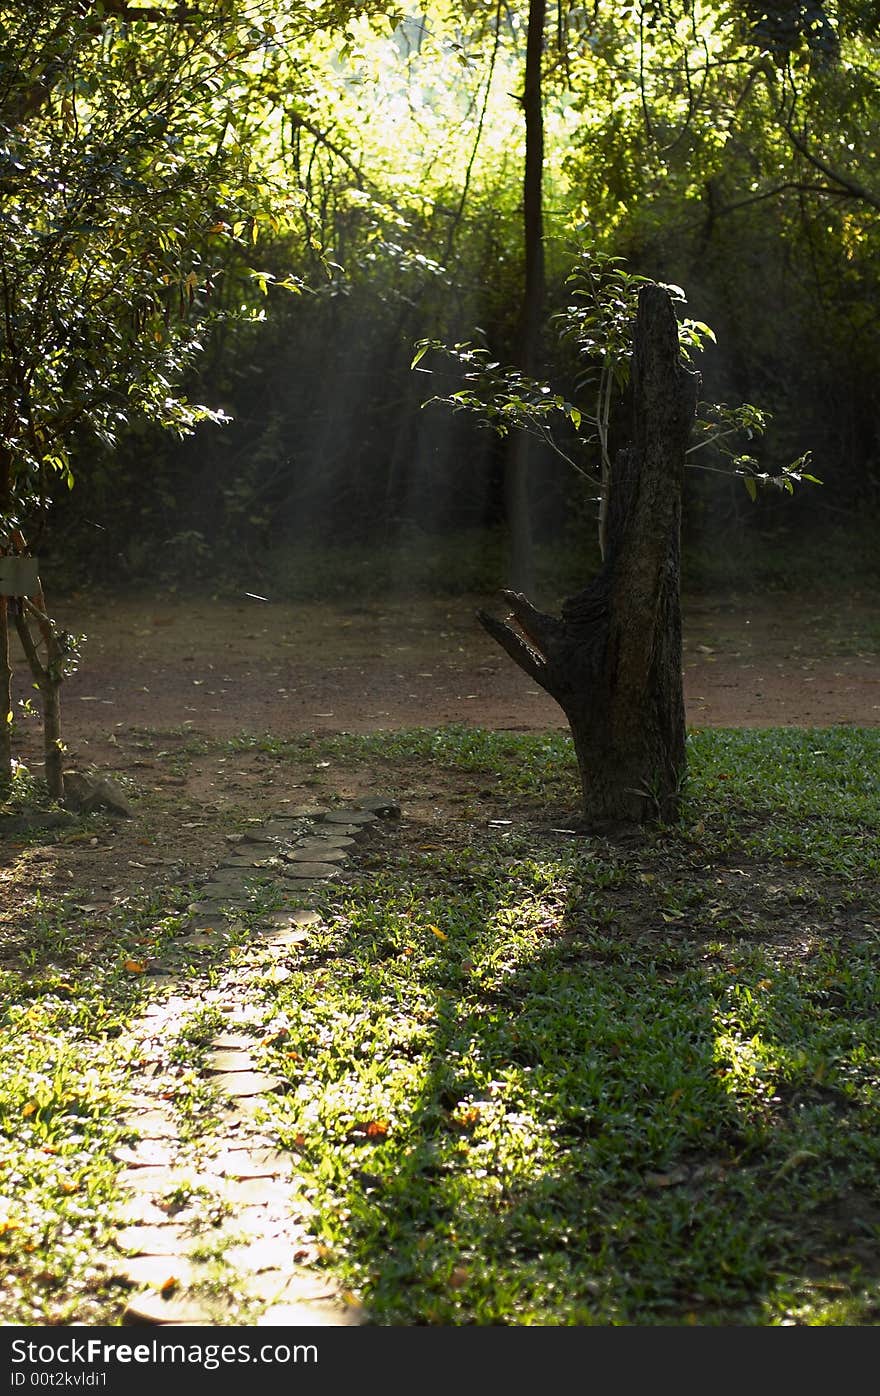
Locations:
{"points": [[533, 1077], [585, 1083]]}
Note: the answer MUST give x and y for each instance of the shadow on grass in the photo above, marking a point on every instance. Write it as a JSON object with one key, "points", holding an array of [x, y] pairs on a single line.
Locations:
{"points": [[621, 1112]]}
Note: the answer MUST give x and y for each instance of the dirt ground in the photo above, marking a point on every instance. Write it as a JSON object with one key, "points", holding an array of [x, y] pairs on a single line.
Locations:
{"points": [[223, 667], [158, 671]]}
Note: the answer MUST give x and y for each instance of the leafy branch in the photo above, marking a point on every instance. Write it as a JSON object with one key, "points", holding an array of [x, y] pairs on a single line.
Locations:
{"points": [[599, 324]]}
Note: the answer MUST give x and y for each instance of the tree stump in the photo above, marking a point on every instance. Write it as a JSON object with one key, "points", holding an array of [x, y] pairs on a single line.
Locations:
{"points": [[612, 659]]}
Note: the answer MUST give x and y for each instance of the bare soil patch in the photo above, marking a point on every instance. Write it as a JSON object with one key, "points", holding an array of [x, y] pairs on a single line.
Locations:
{"points": [[222, 667], [159, 671]]}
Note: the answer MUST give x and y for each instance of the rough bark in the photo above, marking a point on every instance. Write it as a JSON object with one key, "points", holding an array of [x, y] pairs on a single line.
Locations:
{"points": [[517, 464], [48, 677], [612, 658], [5, 665], [5, 702]]}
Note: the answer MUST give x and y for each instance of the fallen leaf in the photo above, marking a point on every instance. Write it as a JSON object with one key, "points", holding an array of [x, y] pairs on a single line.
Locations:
{"points": [[435, 930], [465, 1118]]}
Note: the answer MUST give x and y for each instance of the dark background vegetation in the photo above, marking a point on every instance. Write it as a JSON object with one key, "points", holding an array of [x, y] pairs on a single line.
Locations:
{"points": [[331, 442]]}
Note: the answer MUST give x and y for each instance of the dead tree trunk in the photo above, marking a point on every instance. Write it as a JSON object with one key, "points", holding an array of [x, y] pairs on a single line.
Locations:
{"points": [[612, 659]]}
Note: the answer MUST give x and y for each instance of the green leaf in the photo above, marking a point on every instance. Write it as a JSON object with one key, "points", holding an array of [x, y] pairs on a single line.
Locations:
{"points": [[704, 329]]}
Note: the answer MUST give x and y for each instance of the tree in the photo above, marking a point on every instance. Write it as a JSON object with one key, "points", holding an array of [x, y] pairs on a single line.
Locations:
{"points": [[612, 659], [131, 185], [532, 304]]}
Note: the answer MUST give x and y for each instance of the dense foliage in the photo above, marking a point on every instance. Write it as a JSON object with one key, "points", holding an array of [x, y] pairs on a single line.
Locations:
{"points": [[162, 176]]}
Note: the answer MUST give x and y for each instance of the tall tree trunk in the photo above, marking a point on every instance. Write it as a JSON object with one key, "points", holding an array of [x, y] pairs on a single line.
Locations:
{"points": [[612, 659], [516, 490], [5, 665], [5, 702]]}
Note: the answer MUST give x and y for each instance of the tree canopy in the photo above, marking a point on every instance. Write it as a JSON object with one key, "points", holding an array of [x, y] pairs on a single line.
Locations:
{"points": [[171, 172]]}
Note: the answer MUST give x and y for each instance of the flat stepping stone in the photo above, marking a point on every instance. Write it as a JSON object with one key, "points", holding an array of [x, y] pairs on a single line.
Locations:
{"points": [[378, 804], [142, 1211], [167, 1008], [233, 1042], [147, 1153], [302, 916], [286, 920], [305, 853], [224, 878], [346, 830], [155, 1271], [327, 840], [229, 896], [286, 1286], [274, 1254], [352, 817], [281, 828], [207, 938], [316, 1315], [153, 1124], [239, 1084], [262, 1192], [257, 1221], [154, 1240], [272, 935], [255, 1163], [235, 1059], [154, 1180], [308, 869], [151, 1307]]}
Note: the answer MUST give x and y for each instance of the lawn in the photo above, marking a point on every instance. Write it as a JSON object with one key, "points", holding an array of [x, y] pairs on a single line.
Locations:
{"points": [[534, 1077]]}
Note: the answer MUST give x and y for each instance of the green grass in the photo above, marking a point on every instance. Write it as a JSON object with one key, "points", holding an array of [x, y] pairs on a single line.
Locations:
{"points": [[534, 1079]]}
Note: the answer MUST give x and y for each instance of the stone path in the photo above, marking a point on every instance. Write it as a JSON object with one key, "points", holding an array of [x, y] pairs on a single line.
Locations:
{"points": [[216, 1232]]}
